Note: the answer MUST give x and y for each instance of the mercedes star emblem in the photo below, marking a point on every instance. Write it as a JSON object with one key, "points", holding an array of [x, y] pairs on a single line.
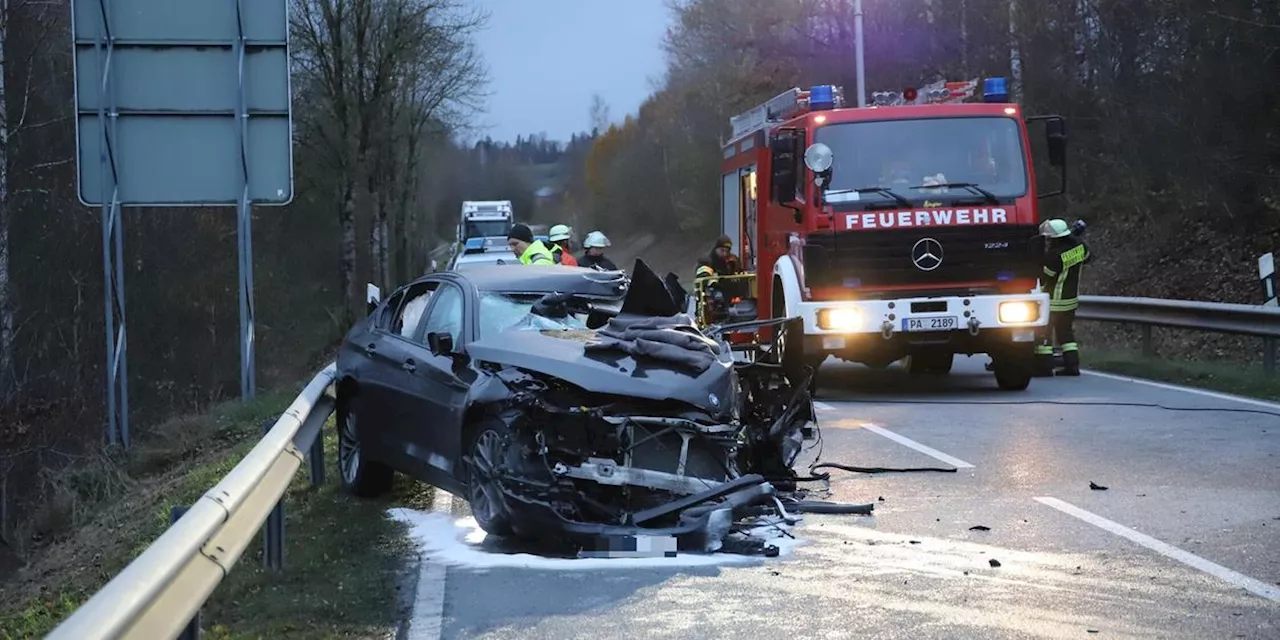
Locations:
{"points": [[926, 254]]}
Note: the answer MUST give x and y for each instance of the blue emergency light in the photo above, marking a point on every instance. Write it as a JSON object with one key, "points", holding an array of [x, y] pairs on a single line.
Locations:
{"points": [[822, 97], [474, 243], [995, 90]]}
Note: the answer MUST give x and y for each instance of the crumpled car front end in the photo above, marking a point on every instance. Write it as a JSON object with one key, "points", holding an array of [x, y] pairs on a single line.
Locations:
{"points": [[642, 428]]}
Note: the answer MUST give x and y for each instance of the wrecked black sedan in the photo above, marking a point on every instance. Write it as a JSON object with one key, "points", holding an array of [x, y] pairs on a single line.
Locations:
{"points": [[569, 404]]}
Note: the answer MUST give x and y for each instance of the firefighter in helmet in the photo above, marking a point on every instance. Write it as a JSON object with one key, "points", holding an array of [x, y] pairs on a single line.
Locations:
{"points": [[593, 252], [559, 237], [721, 262], [1064, 258]]}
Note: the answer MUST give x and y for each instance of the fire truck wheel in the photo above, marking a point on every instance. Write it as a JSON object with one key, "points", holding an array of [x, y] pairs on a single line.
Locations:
{"points": [[1012, 373], [930, 363]]}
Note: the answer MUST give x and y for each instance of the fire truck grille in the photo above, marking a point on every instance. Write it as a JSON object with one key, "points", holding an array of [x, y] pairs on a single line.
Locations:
{"points": [[932, 257]]}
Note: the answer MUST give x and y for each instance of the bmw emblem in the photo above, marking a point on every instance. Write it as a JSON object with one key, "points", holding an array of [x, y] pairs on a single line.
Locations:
{"points": [[714, 399]]}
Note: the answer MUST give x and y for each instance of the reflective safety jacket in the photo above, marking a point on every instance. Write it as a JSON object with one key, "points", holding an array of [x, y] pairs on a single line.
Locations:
{"points": [[1063, 262], [563, 257], [537, 253]]}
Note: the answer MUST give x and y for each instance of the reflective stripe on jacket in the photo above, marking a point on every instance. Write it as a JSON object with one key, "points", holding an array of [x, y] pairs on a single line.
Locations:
{"points": [[1062, 265]]}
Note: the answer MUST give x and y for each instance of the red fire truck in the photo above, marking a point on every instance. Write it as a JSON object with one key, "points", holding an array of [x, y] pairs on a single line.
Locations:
{"points": [[906, 229]]}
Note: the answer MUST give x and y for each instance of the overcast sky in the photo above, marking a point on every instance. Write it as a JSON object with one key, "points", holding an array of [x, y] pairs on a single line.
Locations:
{"points": [[546, 58]]}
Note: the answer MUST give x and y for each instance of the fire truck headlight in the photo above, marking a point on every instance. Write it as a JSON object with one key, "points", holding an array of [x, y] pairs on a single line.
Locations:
{"points": [[846, 319], [1019, 311]]}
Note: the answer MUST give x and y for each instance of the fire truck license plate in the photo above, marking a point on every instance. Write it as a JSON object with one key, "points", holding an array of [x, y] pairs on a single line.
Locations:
{"points": [[935, 323]]}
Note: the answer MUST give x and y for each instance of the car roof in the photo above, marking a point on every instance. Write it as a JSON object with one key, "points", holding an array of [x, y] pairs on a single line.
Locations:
{"points": [[486, 257], [543, 279]]}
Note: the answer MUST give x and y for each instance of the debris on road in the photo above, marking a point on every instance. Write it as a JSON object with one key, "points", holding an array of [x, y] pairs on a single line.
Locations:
{"points": [[993, 562], [979, 527], [1097, 487]]}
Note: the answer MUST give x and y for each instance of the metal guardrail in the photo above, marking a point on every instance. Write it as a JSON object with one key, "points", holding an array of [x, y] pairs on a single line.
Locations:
{"points": [[1220, 317], [161, 592]]}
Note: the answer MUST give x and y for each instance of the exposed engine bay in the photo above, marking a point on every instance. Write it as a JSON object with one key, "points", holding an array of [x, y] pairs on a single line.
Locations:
{"points": [[576, 459]]}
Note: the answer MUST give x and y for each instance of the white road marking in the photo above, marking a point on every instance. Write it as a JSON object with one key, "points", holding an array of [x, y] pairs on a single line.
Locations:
{"points": [[428, 604], [1196, 562], [908, 442], [903, 440], [1173, 387]]}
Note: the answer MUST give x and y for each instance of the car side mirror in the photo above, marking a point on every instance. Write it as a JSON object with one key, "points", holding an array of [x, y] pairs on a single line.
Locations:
{"points": [[441, 343], [373, 295]]}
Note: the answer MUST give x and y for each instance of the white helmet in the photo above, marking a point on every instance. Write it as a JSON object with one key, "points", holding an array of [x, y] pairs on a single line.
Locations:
{"points": [[559, 232], [596, 240]]}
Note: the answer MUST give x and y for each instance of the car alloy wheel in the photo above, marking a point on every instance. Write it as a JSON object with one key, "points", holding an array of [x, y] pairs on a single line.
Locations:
{"points": [[349, 450], [483, 491]]}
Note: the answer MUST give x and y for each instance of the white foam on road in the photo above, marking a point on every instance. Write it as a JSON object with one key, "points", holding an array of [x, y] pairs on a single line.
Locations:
{"points": [[1257, 587], [456, 542]]}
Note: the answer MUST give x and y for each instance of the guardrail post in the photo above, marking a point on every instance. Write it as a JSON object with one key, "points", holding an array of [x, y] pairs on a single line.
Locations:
{"points": [[273, 533], [1148, 349], [316, 459], [192, 630]]}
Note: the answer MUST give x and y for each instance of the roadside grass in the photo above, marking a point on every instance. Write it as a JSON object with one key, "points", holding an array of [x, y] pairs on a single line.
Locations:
{"points": [[1226, 377], [344, 559]]}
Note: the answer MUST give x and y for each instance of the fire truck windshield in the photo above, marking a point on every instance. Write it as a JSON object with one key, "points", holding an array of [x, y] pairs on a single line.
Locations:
{"points": [[887, 160], [486, 228]]}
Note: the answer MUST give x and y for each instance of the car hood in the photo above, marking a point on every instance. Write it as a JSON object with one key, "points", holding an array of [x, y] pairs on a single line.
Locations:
{"points": [[561, 355]]}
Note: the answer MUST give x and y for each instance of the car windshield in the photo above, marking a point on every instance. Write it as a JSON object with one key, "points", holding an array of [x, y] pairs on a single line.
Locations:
{"points": [[501, 312], [487, 228], [904, 155]]}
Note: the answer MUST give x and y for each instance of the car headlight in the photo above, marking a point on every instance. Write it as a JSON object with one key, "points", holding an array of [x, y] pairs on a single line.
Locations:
{"points": [[846, 319], [1019, 311]]}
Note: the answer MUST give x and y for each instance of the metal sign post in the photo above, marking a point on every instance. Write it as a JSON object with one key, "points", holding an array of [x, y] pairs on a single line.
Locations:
{"points": [[1267, 278], [179, 104], [861, 70]]}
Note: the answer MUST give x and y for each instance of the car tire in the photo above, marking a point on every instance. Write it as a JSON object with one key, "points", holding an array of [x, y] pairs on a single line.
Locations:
{"points": [[484, 495], [1012, 374], [358, 474]]}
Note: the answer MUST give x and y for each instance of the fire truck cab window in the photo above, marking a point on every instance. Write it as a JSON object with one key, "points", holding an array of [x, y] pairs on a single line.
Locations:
{"points": [[900, 154]]}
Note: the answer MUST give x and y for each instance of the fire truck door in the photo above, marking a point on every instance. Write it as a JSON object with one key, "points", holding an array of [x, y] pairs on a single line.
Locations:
{"points": [[748, 217]]}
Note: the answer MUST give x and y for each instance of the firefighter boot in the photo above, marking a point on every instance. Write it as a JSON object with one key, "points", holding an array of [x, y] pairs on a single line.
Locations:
{"points": [[1043, 365], [1070, 363]]}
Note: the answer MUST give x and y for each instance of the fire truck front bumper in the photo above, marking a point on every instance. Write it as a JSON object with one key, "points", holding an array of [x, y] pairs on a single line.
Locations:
{"points": [[833, 325]]}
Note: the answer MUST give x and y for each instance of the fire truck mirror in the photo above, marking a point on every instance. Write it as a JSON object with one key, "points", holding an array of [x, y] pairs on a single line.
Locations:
{"points": [[1056, 138], [783, 174]]}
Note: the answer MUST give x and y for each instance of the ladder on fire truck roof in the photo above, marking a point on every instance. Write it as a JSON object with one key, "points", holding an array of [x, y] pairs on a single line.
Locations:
{"points": [[795, 101], [789, 103]]}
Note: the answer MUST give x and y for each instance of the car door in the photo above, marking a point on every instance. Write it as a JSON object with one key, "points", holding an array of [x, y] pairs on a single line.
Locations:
{"points": [[434, 395], [383, 378]]}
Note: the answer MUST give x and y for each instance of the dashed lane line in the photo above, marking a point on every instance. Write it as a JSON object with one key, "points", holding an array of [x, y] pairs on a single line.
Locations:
{"points": [[1169, 551], [904, 441]]}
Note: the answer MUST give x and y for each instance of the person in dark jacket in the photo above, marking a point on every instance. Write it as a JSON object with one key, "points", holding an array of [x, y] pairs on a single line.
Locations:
{"points": [[1064, 258], [593, 252]]}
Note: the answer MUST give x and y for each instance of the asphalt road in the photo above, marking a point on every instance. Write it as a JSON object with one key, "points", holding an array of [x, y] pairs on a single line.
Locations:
{"points": [[1183, 543]]}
